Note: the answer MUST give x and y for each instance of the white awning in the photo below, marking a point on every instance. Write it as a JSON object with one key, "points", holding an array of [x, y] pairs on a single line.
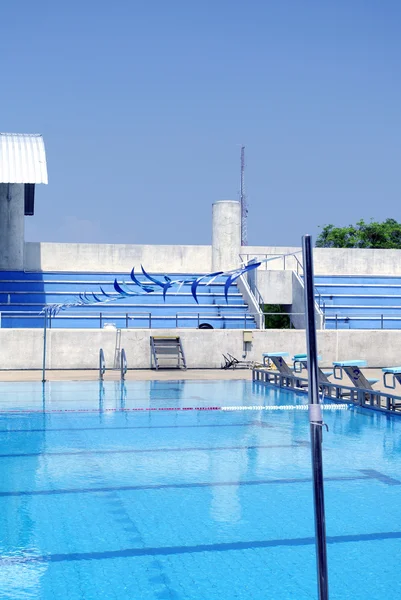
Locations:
{"points": [[22, 158]]}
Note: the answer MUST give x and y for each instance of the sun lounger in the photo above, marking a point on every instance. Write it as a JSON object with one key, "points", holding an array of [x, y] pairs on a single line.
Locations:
{"points": [[352, 368], [233, 363]]}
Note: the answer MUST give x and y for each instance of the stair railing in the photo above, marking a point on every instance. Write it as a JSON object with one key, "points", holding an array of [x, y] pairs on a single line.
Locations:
{"points": [[123, 364], [102, 364]]}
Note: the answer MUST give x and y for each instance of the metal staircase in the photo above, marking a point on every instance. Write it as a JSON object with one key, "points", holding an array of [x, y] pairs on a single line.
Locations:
{"points": [[167, 353]]}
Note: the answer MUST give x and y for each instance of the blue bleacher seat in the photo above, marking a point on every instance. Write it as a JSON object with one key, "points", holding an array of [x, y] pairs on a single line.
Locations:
{"points": [[359, 302], [23, 296]]}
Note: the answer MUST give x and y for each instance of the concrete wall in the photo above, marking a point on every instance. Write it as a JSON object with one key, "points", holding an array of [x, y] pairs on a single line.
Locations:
{"points": [[349, 261], [297, 310], [225, 248], [79, 349], [275, 287], [47, 256], [12, 210], [336, 261], [298, 302]]}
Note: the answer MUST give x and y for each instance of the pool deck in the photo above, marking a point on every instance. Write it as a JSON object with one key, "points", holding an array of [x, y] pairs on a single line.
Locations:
{"points": [[132, 375]]}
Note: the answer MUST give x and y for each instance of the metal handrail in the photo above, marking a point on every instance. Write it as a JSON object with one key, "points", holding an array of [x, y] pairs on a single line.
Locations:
{"points": [[258, 296], [299, 269], [264, 255], [198, 317], [300, 266], [341, 318], [102, 364], [123, 364], [255, 291]]}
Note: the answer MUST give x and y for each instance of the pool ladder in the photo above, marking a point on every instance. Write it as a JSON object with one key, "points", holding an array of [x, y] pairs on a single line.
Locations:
{"points": [[123, 364]]}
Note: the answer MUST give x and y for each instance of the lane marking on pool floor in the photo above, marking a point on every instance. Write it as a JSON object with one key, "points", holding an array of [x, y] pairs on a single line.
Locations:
{"points": [[290, 407]]}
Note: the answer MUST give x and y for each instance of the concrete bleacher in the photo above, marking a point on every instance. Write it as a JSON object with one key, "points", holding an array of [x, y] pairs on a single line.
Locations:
{"points": [[24, 295], [359, 302]]}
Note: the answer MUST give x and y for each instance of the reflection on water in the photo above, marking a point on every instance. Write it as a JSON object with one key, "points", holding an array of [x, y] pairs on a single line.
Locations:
{"points": [[20, 535], [165, 503]]}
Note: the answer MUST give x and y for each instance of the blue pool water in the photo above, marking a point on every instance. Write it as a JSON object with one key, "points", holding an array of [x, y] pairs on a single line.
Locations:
{"points": [[190, 505]]}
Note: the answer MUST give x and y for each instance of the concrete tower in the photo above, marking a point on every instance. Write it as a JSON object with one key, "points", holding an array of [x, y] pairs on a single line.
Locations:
{"points": [[226, 235]]}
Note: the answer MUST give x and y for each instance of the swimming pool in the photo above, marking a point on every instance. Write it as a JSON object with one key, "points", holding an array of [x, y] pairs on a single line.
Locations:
{"points": [[190, 504]]}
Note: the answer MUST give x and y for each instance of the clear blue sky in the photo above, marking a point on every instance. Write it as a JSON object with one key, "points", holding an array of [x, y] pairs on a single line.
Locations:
{"points": [[144, 104]]}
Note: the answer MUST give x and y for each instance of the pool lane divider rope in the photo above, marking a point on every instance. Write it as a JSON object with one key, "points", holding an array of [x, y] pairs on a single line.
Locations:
{"points": [[289, 407]]}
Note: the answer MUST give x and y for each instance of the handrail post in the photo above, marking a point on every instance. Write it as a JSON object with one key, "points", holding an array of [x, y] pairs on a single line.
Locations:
{"points": [[123, 364], [316, 422], [382, 321], [150, 320], [100, 320], [126, 320], [102, 364], [44, 346]]}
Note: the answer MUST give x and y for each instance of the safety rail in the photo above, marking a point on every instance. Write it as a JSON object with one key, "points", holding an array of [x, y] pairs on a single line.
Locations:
{"points": [[132, 320], [289, 262], [258, 296], [374, 399], [102, 364], [123, 364], [147, 320], [381, 318]]}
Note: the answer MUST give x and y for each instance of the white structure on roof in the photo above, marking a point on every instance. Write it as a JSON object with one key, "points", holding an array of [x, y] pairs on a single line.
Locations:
{"points": [[22, 158], [22, 165]]}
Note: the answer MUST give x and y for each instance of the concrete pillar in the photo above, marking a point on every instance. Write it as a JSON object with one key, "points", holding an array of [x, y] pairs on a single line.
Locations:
{"points": [[226, 235], [12, 211]]}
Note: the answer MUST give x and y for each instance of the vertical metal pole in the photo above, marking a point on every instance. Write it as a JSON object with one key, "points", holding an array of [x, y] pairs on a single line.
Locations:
{"points": [[43, 396], [44, 347], [316, 422]]}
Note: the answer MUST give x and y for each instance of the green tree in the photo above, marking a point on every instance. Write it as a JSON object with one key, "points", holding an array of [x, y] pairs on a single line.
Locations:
{"points": [[276, 317], [362, 235]]}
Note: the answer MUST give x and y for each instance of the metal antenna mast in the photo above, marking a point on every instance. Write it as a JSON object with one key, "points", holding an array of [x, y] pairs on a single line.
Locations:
{"points": [[244, 203]]}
